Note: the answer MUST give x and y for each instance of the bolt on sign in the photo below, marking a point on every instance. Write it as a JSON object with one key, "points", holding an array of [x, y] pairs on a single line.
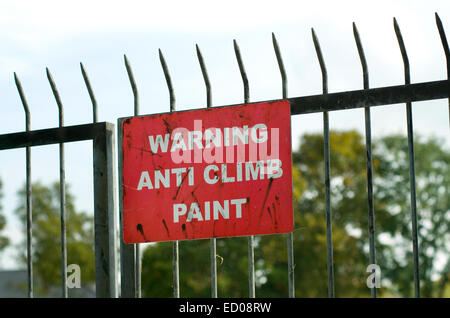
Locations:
{"points": [[215, 172]]}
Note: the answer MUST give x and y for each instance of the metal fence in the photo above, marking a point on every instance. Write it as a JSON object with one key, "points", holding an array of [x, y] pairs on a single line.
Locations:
{"points": [[102, 135], [323, 103]]}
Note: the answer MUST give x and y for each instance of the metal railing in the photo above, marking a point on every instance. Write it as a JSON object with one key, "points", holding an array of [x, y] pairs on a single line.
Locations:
{"points": [[323, 103], [102, 135]]}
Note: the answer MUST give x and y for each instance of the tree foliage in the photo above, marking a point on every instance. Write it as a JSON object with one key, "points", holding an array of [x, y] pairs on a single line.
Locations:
{"points": [[432, 170], [46, 243]]}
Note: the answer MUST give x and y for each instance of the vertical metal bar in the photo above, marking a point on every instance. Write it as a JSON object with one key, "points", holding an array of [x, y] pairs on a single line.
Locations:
{"points": [[369, 167], [104, 213], [446, 51], [62, 187], [128, 264], [412, 174], [290, 236], [91, 93], [104, 205], [326, 137], [175, 252], [137, 251], [251, 239], [28, 190], [213, 245]]}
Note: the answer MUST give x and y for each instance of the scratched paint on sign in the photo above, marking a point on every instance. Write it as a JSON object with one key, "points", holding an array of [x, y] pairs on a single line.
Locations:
{"points": [[215, 172]]}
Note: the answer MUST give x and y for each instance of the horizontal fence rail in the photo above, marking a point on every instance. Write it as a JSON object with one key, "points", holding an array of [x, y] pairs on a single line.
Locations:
{"points": [[370, 97]]}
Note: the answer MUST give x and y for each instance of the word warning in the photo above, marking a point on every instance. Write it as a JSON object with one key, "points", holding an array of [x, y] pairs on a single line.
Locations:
{"points": [[216, 172]]}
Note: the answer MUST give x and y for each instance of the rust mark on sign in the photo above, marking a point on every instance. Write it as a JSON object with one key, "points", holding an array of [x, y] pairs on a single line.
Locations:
{"points": [[275, 219], [265, 197], [168, 129], [141, 230], [166, 228], [270, 214], [181, 184], [183, 228]]}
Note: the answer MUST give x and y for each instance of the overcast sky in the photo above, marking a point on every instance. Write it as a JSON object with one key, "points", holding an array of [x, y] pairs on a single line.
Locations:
{"points": [[61, 34]]}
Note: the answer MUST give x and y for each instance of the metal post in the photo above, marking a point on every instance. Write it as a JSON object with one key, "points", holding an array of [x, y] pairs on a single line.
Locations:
{"points": [[28, 189], [290, 236], [412, 173], [104, 213], [369, 167], [326, 137], [62, 187], [175, 252], [251, 238]]}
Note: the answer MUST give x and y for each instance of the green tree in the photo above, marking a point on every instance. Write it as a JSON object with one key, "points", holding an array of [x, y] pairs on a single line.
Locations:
{"points": [[47, 237], [4, 241], [195, 272], [432, 169]]}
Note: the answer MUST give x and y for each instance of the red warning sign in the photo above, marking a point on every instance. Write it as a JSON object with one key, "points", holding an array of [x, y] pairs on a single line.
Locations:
{"points": [[215, 172]]}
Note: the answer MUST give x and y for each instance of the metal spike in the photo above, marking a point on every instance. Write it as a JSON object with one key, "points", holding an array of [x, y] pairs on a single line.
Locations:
{"points": [[205, 76], [168, 80], [446, 50], [133, 85], [280, 65], [57, 97], [362, 57], [91, 92], [401, 44], [242, 71], [323, 67], [443, 39], [24, 102]]}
